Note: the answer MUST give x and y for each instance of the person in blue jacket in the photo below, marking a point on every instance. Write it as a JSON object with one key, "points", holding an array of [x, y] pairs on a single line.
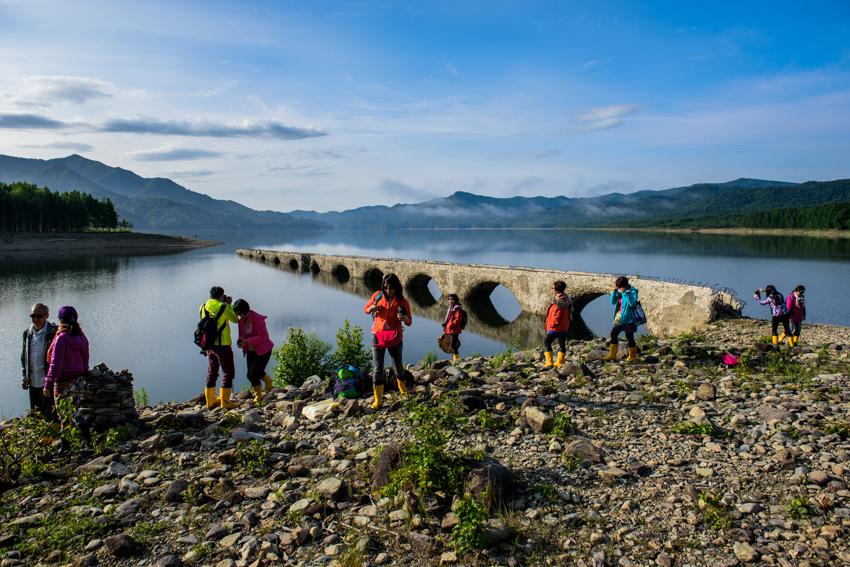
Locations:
{"points": [[624, 297]]}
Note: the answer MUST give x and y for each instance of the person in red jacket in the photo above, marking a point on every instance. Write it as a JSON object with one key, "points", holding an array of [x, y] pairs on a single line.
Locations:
{"points": [[256, 346], [389, 309], [557, 323], [451, 326]]}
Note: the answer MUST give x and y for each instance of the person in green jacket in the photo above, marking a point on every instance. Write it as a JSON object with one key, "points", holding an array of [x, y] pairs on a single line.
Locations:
{"points": [[624, 297], [220, 354]]}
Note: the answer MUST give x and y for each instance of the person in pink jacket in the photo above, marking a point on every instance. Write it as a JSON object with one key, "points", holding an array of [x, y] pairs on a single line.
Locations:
{"points": [[796, 305], [256, 346], [69, 367]]}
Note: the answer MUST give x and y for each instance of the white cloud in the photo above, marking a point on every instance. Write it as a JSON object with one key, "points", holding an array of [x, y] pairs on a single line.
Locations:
{"points": [[169, 153], [531, 155], [75, 146], [46, 91], [596, 113]]}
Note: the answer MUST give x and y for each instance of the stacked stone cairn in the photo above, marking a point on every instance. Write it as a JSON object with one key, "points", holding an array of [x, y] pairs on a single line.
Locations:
{"points": [[108, 397]]}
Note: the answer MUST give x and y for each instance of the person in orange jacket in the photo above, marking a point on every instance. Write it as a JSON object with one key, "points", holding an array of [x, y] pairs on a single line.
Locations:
{"points": [[451, 326], [557, 323], [389, 309]]}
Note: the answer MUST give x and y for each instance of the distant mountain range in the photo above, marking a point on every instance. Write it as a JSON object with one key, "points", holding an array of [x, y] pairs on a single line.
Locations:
{"points": [[466, 210], [160, 204], [150, 204]]}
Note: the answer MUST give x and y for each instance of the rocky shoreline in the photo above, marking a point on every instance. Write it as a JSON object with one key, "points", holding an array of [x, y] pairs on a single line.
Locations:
{"points": [[673, 460]]}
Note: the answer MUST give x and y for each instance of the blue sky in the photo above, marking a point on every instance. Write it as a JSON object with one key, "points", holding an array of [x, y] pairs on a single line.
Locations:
{"points": [[333, 105]]}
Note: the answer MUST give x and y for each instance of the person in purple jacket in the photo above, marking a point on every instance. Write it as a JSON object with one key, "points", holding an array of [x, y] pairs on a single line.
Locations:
{"points": [[256, 346], [69, 366], [778, 311], [796, 305]]}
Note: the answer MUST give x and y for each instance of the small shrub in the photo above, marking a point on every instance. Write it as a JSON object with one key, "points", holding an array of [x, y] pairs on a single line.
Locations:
{"points": [[839, 428], [563, 428], [468, 534], [300, 356], [430, 358], [427, 465], [800, 509], [252, 456], [350, 349], [714, 512], [488, 421], [706, 428], [141, 398]]}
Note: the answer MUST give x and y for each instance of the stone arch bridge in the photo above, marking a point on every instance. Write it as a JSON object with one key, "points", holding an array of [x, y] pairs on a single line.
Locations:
{"points": [[671, 308]]}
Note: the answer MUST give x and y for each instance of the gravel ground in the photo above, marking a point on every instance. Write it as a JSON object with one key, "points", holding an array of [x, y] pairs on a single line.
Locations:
{"points": [[673, 459]]}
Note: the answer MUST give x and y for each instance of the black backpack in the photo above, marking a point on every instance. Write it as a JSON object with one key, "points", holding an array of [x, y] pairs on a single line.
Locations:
{"points": [[464, 318], [208, 331]]}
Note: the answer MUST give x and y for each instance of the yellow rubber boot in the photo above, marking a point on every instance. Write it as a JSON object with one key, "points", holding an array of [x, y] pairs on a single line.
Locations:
{"points": [[455, 357], [402, 388], [775, 340], [379, 396], [258, 393], [632, 354], [782, 338], [613, 354], [793, 340], [560, 360], [548, 356], [268, 382], [225, 399], [209, 394]]}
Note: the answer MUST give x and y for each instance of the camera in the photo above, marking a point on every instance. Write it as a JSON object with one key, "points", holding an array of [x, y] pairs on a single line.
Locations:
{"points": [[402, 311], [228, 299]]}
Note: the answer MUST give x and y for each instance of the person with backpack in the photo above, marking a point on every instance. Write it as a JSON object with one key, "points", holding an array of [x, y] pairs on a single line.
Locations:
{"points": [[778, 310], [454, 324], [216, 315], [256, 346], [624, 298], [557, 324], [389, 309], [69, 367], [796, 305]]}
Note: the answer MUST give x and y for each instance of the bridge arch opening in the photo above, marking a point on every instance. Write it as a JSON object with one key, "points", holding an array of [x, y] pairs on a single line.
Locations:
{"points": [[293, 263], [597, 313], [493, 298], [314, 267], [341, 273], [423, 290], [373, 277], [276, 260]]}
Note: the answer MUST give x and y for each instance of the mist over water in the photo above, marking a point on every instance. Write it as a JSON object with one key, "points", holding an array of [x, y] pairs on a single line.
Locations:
{"points": [[139, 311]]}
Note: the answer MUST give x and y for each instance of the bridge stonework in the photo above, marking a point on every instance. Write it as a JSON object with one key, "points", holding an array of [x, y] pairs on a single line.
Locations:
{"points": [[671, 308]]}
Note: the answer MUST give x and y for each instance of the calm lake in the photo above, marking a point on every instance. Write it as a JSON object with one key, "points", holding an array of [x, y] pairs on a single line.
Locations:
{"points": [[139, 312]]}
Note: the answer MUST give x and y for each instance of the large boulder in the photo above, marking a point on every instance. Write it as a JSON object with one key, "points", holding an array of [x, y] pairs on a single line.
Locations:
{"points": [[539, 421]]}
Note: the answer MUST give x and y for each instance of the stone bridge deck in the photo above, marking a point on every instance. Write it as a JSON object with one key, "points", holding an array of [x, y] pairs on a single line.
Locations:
{"points": [[671, 308]]}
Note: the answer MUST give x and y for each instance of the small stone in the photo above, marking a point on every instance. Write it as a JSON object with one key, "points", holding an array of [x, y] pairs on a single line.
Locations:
{"points": [[448, 558], [332, 489], [228, 457], [818, 477], [745, 552], [663, 560], [120, 545], [216, 532], [706, 392], [539, 421], [256, 493], [93, 545], [176, 489], [169, 560], [230, 540]]}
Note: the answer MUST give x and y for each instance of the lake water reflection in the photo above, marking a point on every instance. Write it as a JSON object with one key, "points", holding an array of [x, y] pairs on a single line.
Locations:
{"points": [[139, 311]]}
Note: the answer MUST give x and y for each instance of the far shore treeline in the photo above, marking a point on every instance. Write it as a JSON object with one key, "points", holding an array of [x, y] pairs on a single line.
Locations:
{"points": [[25, 207]]}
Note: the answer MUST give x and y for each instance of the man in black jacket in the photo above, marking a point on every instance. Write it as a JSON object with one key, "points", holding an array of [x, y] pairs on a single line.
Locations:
{"points": [[34, 364]]}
